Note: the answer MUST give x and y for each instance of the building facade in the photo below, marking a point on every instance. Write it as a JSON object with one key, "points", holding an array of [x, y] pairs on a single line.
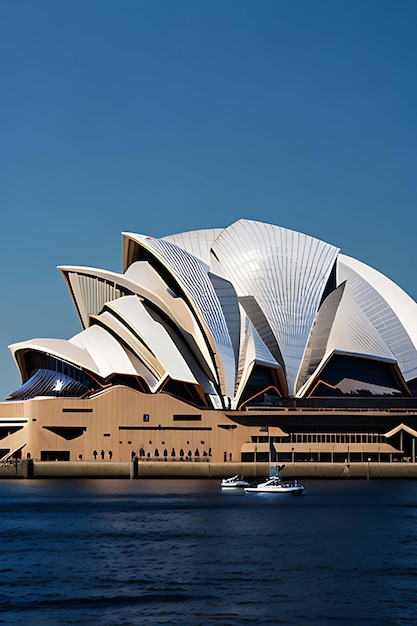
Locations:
{"points": [[245, 343]]}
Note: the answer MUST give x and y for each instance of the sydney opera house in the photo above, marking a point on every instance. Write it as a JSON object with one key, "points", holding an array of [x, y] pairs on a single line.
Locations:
{"points": [[222, 344]]}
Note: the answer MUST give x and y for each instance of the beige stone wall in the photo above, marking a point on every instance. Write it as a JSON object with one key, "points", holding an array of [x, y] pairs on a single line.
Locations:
{"points": [[12, 409], [114, 421]]}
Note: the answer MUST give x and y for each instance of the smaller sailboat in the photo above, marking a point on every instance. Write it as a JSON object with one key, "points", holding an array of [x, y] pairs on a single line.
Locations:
{"points": [[235, 482]]}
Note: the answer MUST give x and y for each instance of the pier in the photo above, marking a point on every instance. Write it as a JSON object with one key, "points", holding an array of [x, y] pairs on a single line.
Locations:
{"points": [[149, 469]]}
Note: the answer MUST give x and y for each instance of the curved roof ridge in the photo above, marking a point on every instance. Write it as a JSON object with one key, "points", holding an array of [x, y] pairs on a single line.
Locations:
{"points": [[196, 242]]}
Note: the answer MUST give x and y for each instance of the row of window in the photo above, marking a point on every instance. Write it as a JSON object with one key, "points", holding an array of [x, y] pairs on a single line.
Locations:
{"points": [[324, 438]]}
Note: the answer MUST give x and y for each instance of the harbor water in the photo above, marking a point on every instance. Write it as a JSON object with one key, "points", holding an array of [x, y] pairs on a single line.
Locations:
{"points": [[182, 552]]}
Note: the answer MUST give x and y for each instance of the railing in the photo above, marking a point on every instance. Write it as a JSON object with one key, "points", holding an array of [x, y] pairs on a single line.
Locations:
{"points": [[175, 459]]}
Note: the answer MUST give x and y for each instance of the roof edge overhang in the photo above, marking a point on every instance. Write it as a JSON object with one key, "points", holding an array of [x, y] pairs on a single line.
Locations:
{"points": [[57, 348], [400, 427], [371, 357]]}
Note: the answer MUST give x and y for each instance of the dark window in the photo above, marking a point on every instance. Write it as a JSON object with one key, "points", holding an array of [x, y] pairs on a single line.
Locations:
{"points": [[4, 432], [49, 376], [176, 428], [186, 418], [67, 432], [370, 373], [55, 455], [247, 457]]}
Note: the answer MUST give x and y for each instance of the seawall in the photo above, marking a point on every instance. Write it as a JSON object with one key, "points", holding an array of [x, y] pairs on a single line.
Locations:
{"points": [[126, 470]]}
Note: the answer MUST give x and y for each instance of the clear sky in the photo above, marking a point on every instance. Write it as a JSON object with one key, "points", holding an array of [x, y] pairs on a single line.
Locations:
{"points": [[161, 116]]}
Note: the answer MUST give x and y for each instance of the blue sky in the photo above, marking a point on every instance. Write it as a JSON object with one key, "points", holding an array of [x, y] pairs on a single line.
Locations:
{"points": [[160, 116]]}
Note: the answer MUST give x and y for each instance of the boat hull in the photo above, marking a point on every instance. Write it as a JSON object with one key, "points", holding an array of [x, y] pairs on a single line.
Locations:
{"points": [[233, 486], [276, 489]]}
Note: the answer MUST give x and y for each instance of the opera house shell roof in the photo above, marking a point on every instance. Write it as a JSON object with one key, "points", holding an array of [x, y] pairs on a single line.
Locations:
{"points": [[227, 318]]}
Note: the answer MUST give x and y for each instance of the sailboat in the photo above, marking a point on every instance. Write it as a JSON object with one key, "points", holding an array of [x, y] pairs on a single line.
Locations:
{"points": [[274, 484], [234, 482]]}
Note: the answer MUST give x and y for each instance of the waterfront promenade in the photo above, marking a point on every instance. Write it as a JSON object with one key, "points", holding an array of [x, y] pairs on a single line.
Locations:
{"points": [[150, 469]]}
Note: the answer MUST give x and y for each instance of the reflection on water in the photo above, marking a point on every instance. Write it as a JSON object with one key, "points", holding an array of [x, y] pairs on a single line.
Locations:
{"points": [[183, 552]]}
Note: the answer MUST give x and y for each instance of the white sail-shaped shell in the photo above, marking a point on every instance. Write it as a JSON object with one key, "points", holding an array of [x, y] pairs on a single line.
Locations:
{"points": [[390, 310], [286, 272], [191, 276]]}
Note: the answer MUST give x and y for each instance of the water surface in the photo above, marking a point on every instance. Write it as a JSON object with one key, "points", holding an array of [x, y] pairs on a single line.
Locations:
{"points": [[183, 552]]}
